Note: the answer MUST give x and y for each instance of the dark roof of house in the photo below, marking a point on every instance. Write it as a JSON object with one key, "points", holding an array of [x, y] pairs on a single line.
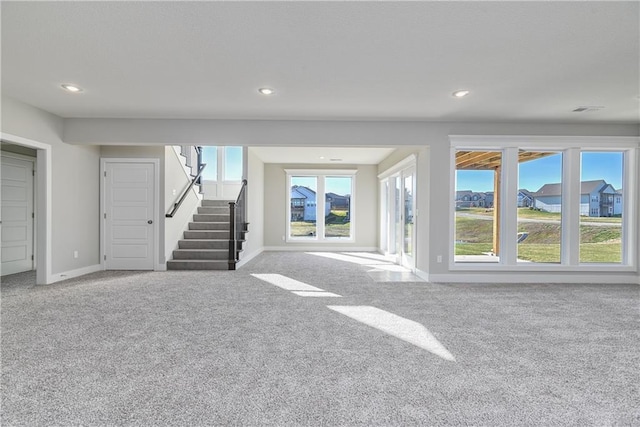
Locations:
{"points": [[525, 192], [336, 196], [296, 190], [586, 187]]}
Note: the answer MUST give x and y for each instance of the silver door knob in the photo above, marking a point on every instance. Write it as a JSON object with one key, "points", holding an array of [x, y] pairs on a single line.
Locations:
{"points": [[150, 222]]}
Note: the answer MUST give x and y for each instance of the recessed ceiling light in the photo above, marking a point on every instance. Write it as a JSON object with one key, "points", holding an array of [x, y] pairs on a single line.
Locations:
{"points": [[321, 157], [71, 88], [266, 91], [460, 93]]}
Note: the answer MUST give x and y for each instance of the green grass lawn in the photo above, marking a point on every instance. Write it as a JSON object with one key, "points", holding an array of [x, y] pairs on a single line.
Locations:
{"points": [[597, 243], [303, 228], [306, 229], [526, 213]]}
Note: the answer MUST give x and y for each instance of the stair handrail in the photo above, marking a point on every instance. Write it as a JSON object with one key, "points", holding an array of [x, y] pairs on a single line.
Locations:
{"points": [[237, 216], [177, 204]]}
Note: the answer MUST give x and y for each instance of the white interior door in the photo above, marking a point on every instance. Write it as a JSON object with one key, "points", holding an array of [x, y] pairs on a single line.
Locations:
{"points": [[129, 216], [17, 215]]}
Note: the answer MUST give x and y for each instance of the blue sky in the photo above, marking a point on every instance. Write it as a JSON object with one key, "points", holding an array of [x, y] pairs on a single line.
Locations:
{"points": [[232, 166], [547, 170], [340, 185]]}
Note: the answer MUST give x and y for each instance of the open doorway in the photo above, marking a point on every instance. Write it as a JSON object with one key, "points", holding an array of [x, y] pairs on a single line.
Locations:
{"points": [[25, 223], [398, 212], [17, 170]]}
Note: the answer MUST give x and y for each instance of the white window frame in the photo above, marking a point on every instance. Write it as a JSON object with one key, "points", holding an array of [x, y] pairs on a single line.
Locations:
{"points": [[320, 175], [220, 164], [571, 147]]}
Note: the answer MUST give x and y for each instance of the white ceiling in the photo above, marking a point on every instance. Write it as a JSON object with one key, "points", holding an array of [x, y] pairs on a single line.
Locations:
{"points": [[322, 155], [523, 62]]}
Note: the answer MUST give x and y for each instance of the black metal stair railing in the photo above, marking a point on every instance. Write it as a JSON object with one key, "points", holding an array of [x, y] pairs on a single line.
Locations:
{"points": [[238, 225], [196, 180]]}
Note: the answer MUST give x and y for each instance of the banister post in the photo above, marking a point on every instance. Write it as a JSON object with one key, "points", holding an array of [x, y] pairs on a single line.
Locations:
{"points": [[232, 235]]}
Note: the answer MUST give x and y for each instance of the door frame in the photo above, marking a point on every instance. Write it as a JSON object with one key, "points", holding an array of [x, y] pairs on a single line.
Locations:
{"points": [[157, 266], [405, 260], [390, 175], [34, 198], [42, 205]]}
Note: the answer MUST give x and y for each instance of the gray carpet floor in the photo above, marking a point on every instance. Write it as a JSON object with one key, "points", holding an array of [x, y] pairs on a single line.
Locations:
{"points": [[226, 348]]}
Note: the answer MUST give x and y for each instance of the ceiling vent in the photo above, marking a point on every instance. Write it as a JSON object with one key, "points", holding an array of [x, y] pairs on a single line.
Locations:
{"points": [[587, 108]]}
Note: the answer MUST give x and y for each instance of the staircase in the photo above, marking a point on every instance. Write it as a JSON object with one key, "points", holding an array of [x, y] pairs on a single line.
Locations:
{"points": [[206, 243]]}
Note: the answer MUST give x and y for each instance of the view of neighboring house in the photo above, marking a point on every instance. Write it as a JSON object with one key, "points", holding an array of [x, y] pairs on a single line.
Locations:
{"points": [[472, 199], [525, 198], [597, 198], [303, 204], [338, 202]]}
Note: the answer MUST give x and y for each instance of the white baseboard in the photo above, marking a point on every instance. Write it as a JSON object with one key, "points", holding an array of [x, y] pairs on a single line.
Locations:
{"points": [[74, 273], [320, 248], [245, 258], [533, 278], [421, 274]]}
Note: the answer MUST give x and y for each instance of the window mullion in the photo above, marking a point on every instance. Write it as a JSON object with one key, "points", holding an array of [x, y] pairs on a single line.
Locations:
{"points": [[508, 204], [570, 246], [320, 206]]}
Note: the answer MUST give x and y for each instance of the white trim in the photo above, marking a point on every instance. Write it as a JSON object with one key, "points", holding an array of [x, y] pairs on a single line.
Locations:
{"points": [[571, 149], [157, 265], [248, 257], [19, 156], [422, 274], [314, 172], [534, 278], [43, 190], [402, 164], [321, 175], [319, 248], [75, 273], [542, 267], [34, 195], [540, 142]]}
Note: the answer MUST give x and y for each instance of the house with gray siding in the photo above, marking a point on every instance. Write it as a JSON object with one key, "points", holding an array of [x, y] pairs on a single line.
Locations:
{"points": [[597, 198]]}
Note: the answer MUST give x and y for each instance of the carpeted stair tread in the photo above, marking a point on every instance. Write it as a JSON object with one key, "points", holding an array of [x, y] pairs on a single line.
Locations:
{"points": [[198, 264]]}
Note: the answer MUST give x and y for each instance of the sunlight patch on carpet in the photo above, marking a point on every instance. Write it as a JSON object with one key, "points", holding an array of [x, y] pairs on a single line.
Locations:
{"points": [[352, 259], [286, 283], [316, 294], [399, 327]]}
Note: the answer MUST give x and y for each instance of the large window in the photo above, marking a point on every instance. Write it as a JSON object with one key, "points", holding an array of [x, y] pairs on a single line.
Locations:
{"points": [[601, 207], [539, 206], [232, 163], [320, 205], [566, 202], [224, 164], [476, 227]]}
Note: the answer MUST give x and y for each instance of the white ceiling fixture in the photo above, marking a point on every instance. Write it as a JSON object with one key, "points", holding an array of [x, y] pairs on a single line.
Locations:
{"points": [[460, 93], [71, 88], [266, 91]]}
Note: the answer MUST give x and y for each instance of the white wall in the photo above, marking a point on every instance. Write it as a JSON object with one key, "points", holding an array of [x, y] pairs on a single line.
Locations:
{"points": [[435, 135], [255, 206], [216, 190], [176, 181], [74, 189], [275, 205]]}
